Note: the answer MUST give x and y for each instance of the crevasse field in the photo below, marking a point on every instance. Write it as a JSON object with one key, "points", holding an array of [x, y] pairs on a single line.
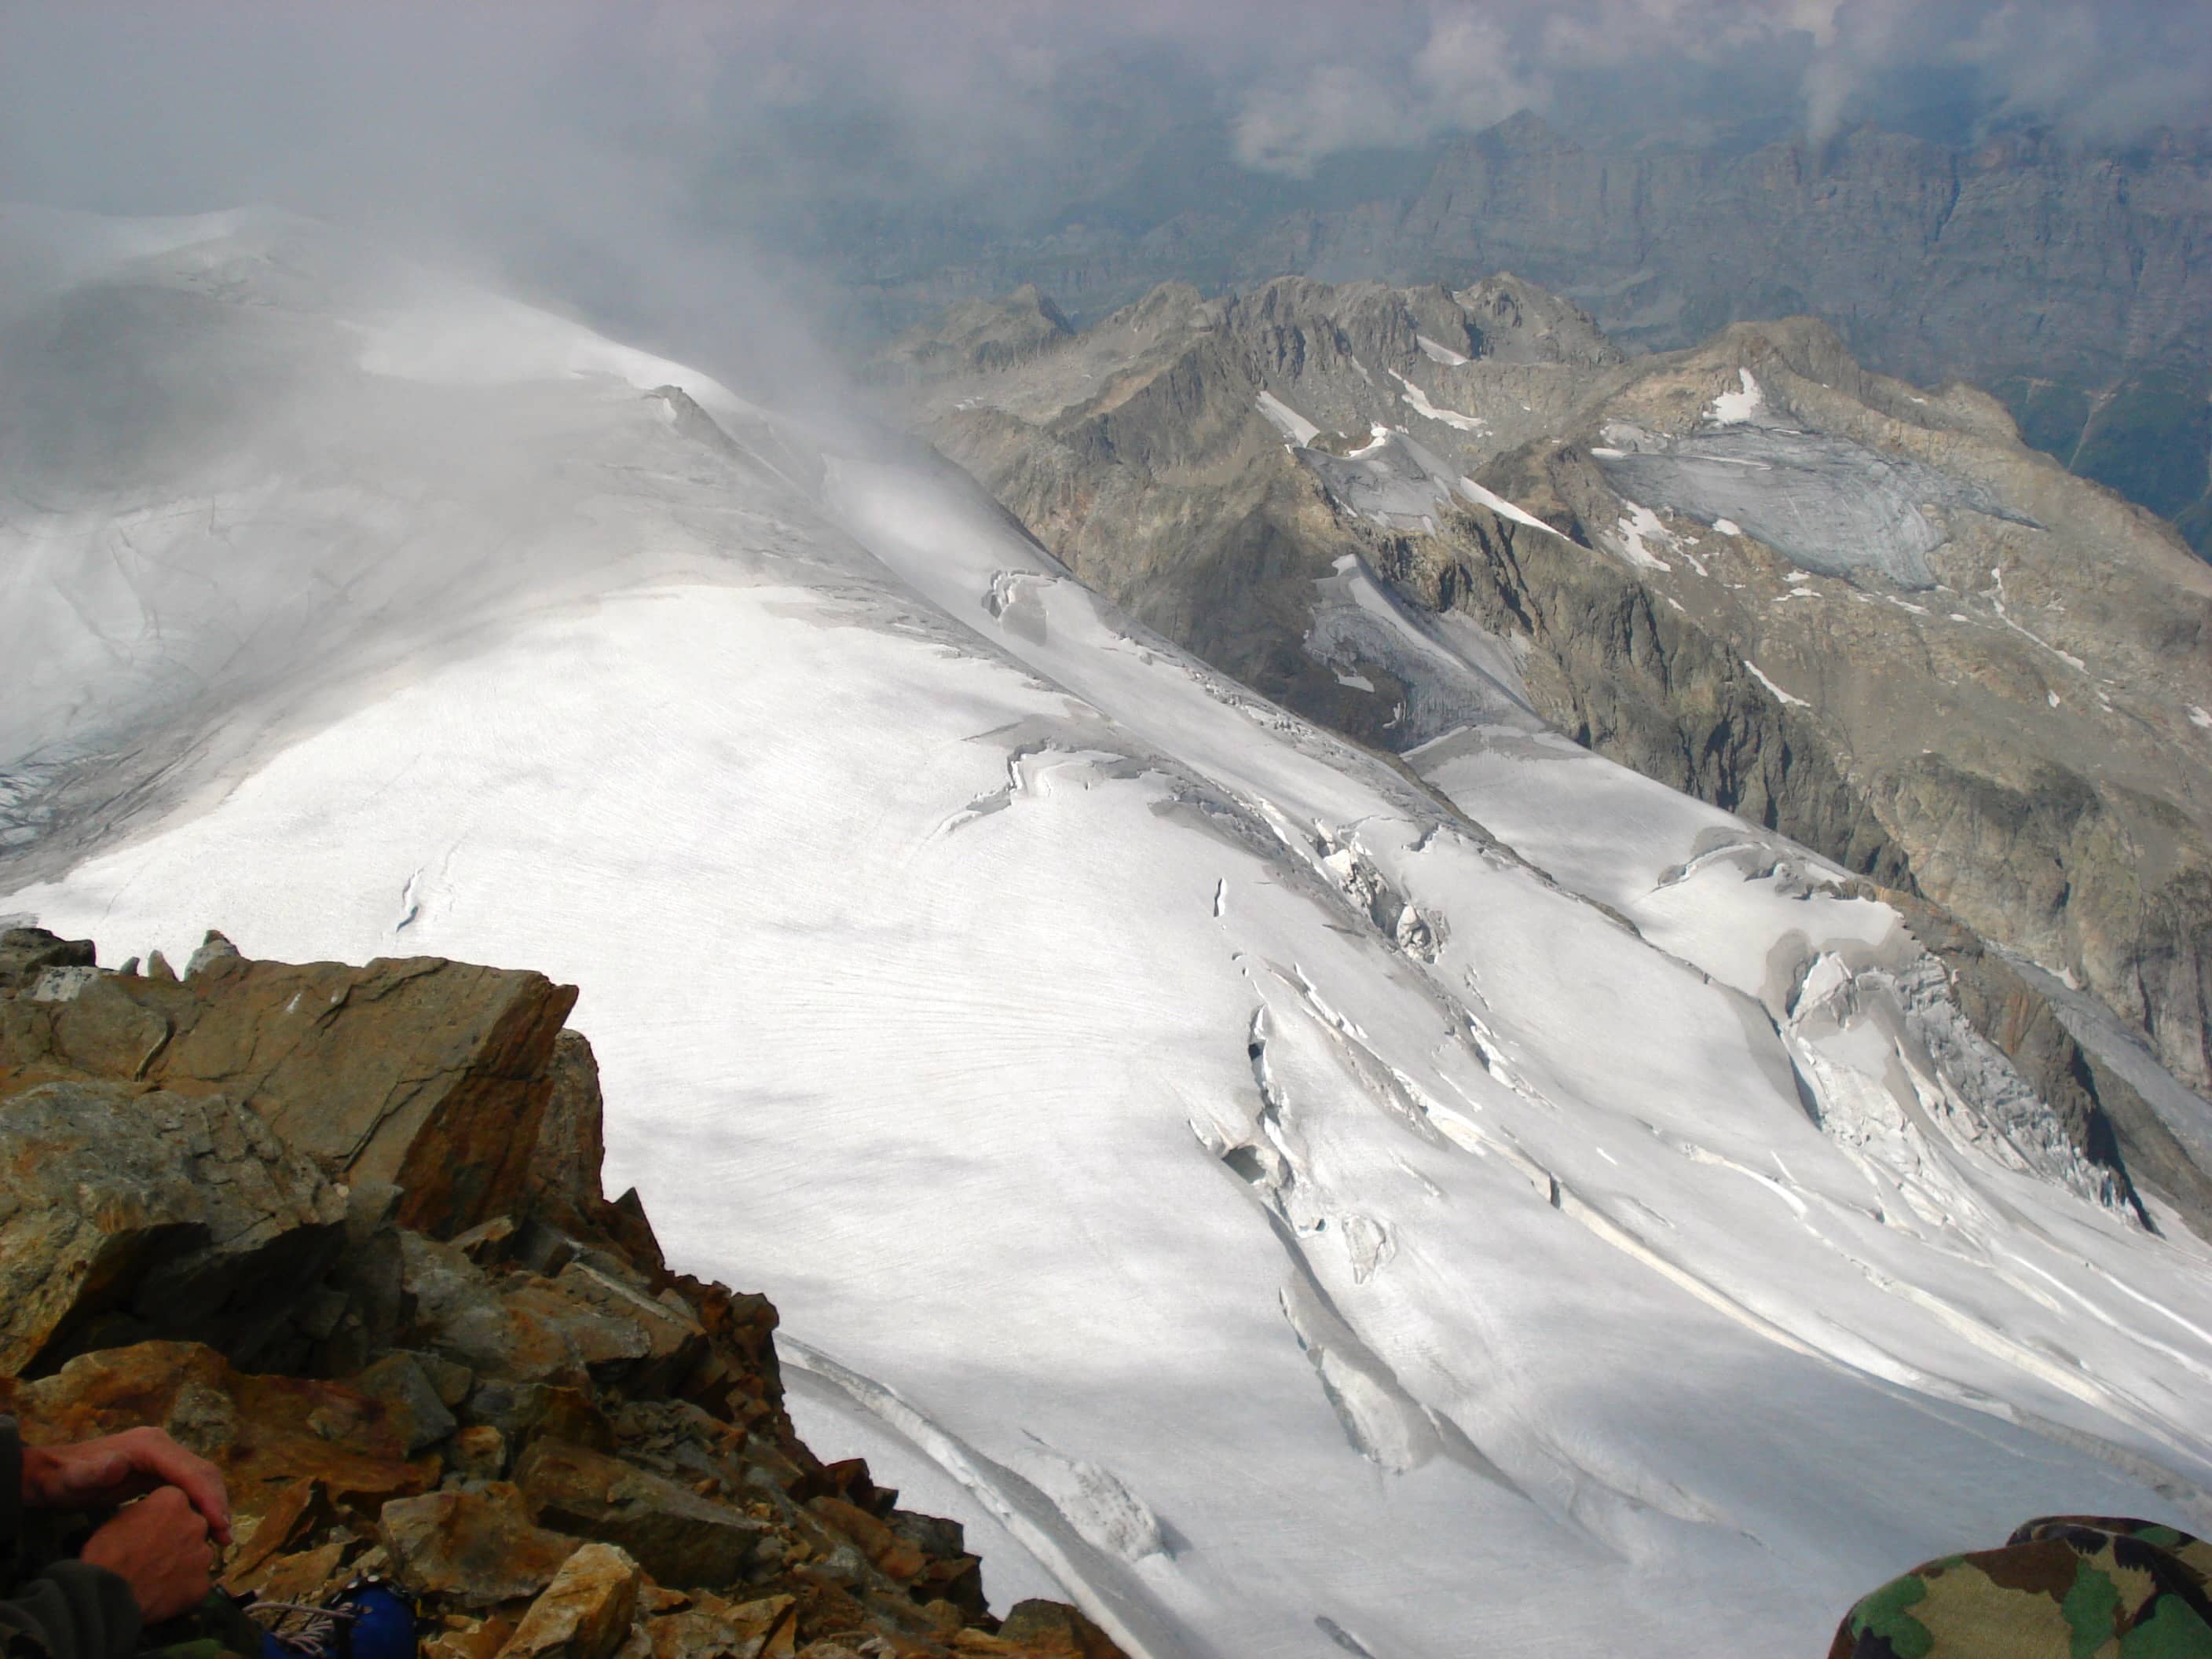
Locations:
{"points": [[1293, 1206]]}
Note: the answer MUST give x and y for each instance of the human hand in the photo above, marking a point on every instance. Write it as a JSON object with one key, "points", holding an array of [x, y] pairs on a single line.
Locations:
{"points": [[117, 1467], [161, 1546]]}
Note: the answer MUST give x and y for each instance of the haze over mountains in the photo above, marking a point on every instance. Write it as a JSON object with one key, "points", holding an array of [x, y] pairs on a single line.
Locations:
{"points": [[2070, 280]]}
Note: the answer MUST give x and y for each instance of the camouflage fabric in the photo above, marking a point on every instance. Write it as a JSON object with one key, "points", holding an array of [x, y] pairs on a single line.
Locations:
{"points": [[2065, 1587]]}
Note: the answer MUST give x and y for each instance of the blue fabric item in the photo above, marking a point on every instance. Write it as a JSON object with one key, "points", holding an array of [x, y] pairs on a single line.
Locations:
{"points": [[370, 1621], [384, 1627]]}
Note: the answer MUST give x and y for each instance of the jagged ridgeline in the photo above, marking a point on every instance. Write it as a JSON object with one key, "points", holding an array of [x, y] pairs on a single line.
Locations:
{"points": [[1864, 614], [2060, 275], [341, 1230]]}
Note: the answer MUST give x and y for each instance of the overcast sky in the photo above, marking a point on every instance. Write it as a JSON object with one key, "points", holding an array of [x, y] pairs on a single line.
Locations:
{"points": [[631, 147]]}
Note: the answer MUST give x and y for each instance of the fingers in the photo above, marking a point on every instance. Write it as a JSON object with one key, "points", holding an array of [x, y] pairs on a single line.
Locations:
{"points": [[123, 1466], [162, 1547], [152, 1453]]}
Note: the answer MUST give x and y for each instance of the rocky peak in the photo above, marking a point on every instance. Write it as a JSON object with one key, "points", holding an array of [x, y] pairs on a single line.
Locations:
{"points": [[1524, 132], [983, 334], [1519, 322], [341, 1230]]}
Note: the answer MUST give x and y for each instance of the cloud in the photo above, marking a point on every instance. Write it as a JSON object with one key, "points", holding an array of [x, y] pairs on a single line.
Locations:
{"points": [[2106, 72], [651, 161], [1650, 69], [1462, 74]]}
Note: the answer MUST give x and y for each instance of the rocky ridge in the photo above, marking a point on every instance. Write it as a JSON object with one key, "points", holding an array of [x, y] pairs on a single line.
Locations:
{"points": [[340, 1229], [2068, 279], [1919, 648]]}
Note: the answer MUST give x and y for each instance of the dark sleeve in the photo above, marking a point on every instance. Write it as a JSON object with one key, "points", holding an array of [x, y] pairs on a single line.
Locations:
{"points": [[62, 1609]]}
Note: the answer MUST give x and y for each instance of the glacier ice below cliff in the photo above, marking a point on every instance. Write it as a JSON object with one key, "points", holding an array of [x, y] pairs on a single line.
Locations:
{"points": [[1829, 504]]}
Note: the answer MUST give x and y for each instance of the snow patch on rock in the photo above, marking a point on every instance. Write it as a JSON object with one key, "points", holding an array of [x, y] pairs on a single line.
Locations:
{"points": [[1294, 426], [1638, 528], [1734, 407]]}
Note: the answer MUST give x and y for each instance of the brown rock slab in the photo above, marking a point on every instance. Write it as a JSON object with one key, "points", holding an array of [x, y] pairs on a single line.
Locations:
{"points": [[584, 1613], [681, 1538], [287, 1513], [766, 1625], [479, 1452], [477, 1549], [887, 1552], [429, 1074], [307, 1577], [565, 1162], [1054, 1628], [460, 1315], [675, 1341], [265, 1433], [464, 1638]]}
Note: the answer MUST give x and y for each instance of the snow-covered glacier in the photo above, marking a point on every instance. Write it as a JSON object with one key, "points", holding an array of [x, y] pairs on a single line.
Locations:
{"points": [[1307, 1204]]}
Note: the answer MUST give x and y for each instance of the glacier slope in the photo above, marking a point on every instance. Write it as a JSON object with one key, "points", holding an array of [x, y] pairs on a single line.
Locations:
{"points": [[1299, 1216]]}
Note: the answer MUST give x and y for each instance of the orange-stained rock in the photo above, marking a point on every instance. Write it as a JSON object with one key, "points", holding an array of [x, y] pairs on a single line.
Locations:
{"points": [[884, 1548], [306, 1576], [265, 1433], [584, 1613], [1054, 1628], [510, 1326], [465, 1638], [479, 1452], [714, 1626], [289, 1511], [428, 1073], [478, 1549]]}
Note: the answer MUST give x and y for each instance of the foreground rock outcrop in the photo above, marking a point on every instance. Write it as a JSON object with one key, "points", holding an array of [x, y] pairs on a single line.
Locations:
{"points": [[340, 1229]]}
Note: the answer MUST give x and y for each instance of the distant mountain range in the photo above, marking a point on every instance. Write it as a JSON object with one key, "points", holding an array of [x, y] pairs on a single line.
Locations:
{"points": [[2072, 283]]}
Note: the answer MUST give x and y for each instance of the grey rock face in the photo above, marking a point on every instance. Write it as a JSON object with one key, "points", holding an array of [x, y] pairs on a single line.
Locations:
{"points": [[27, 952], [125, 1215], [2020, 728], [2024, 251]]}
